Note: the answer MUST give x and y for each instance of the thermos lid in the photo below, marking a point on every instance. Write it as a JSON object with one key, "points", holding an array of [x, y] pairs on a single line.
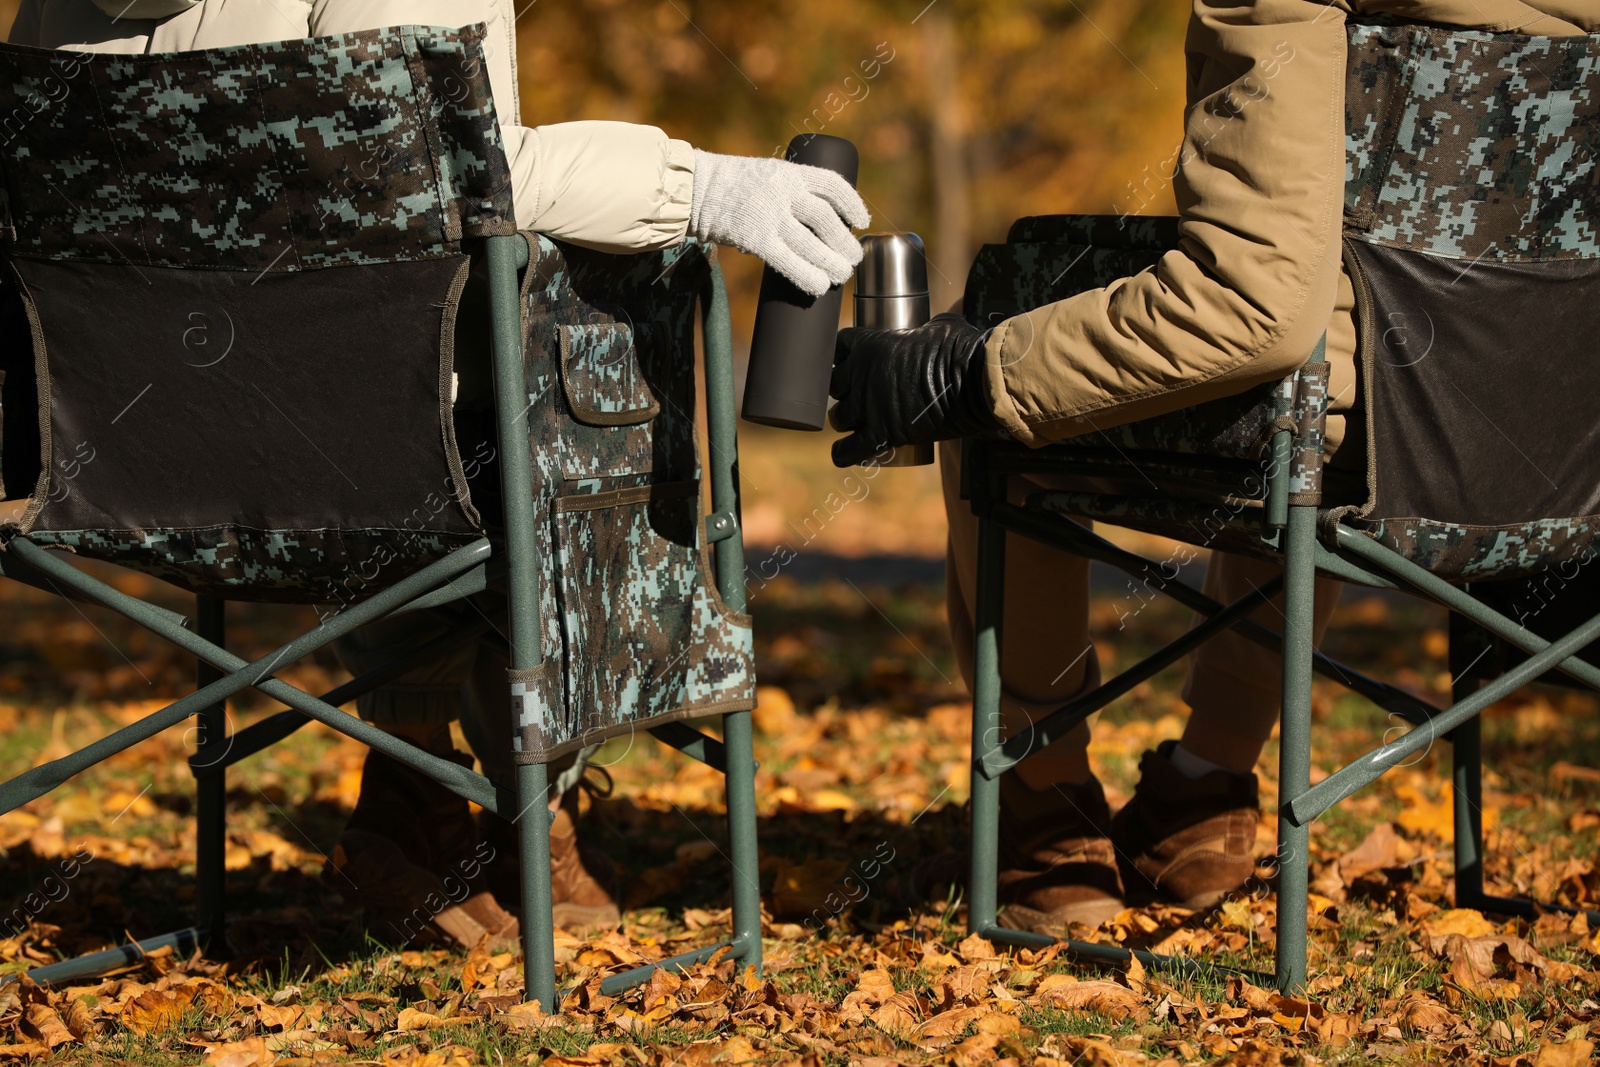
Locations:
{"points": [[893, 264], [825, 151]]}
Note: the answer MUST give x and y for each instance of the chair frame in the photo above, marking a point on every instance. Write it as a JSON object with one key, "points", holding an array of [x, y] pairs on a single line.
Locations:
{"points": [[1291, 531], [465, 571]]}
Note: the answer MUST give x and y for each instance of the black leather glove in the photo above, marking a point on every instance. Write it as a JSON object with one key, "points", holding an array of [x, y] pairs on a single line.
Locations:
{"points": [[905, 387]]}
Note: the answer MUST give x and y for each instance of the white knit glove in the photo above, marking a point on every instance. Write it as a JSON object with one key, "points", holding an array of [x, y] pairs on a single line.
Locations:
{"points": [[791, 215]]}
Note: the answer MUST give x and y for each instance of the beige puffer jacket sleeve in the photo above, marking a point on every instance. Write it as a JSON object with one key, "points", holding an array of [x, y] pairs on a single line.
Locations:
{"points": [[1259, 182], [615, 186]]}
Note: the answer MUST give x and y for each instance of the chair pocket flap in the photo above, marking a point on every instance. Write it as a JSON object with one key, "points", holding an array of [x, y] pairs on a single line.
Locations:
{"points": [[601, 377]]}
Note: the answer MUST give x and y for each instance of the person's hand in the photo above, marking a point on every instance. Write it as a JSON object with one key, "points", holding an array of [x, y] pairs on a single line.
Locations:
{"points": [[904, 387], [792, 216]]}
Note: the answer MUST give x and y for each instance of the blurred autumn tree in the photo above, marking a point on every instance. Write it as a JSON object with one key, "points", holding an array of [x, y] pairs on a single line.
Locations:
{"points": [[968, 113]]}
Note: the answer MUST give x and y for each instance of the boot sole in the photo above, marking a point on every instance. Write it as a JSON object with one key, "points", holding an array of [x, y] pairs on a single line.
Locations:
{"points": [[1054, 923]]}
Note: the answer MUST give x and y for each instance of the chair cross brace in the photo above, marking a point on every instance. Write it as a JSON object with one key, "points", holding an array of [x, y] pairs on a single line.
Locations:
{"points": [[1079, 539], [694, 744], [1544, 655], [268, 732], [1058, 723], [242, 675]]}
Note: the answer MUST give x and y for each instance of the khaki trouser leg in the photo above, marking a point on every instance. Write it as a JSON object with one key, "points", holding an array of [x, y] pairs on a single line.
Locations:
{"points": [[468, 684], [427, 695], [1047, 658], [1234, 685], [1046, 655]]}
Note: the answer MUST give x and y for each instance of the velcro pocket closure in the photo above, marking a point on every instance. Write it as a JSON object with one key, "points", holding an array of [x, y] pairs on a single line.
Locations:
{"points": [[601, 377]]}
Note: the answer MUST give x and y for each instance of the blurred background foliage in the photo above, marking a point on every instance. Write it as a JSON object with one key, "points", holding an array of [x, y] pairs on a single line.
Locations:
{"points": [[968, 113]]}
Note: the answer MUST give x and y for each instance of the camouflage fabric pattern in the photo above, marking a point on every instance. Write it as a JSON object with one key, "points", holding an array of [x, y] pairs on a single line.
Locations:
{"points": [[639, 313], [1466, 553], [1469, 144], [601, 377], [1009, 279], [331, 568], [629, 610], [645, 637], [1309, 419], [359, 148]]}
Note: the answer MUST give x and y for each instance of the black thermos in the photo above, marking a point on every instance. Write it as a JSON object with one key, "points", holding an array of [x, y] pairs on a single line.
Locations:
{"points": [[791, 348]]}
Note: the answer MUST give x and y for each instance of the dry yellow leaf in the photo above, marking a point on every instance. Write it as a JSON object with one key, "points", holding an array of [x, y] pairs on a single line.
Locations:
{"points": [[875, 986], [947, 1024], [897, 1016], [280, 1018], [1464, 921], [832, 800], [1236, 914], [122, 802], [153, 1012], [412, 1019], [1561, 771], [1135, 974], [1053, 981], [1425, 1015], [1574, 1052], [75, 1013], [26, 1051], [975, 947], [251, 1052], [1420, 815], [44, 1021], [1107, 998], [774, 713]]}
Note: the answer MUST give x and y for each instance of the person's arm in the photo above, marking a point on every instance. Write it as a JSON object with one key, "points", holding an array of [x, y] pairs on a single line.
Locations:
{"points": [[613, 186], [1260, 188], [1259, 185]]}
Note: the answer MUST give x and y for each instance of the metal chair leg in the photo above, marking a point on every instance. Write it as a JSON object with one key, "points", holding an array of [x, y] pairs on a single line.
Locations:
{"points": [[211, 832], [1294, 751], [538, 923], [1466, 753], [740, 781], [982, 881], [1469, 647]]}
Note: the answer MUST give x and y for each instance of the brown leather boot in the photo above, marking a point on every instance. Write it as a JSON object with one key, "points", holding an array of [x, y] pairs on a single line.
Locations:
{"points": [[1057, 865], [583, 881], [1186, 840], [411, 858]]}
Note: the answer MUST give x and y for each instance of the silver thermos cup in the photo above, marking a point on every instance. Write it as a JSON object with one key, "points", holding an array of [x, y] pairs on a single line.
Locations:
{"points": [[892, 294]]}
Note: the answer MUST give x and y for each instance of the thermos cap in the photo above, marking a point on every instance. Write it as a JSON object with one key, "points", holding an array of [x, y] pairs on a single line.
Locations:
{"points": [[826, 151], [892, 264]]}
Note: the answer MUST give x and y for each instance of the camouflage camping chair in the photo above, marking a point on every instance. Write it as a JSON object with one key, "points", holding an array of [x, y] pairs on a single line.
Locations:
{"points": [[251, 278], [1471, 217]]}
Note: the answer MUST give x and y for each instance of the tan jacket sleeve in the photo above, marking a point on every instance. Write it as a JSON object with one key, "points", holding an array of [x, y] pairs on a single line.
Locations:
{"points": [[1259, 184]]}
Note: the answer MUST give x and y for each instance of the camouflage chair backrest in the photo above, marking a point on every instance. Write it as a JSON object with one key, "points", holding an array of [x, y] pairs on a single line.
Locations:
{"points": [[1472, 231], [240, 270], [1472, 194]]}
